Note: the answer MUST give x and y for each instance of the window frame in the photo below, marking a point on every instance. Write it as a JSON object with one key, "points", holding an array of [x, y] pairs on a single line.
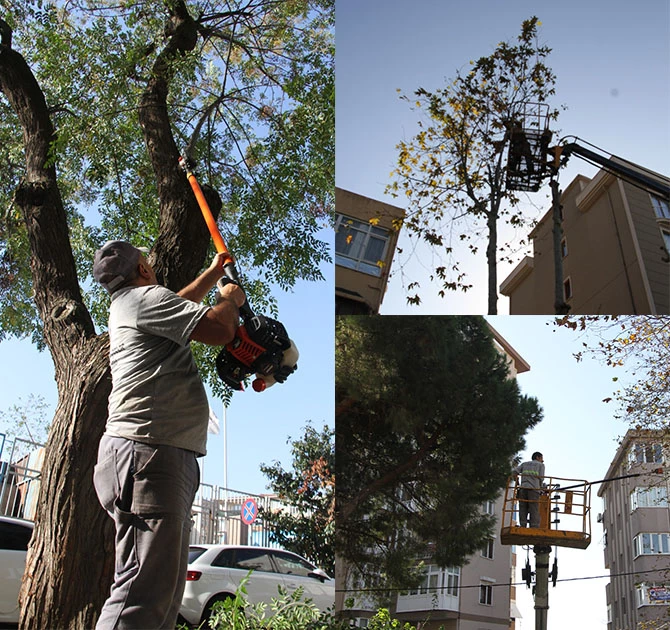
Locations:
{"points": [[568, 291], [657, 544], [486, 592], [488, 551], [369, 231], [661, 207], [654, 497]]}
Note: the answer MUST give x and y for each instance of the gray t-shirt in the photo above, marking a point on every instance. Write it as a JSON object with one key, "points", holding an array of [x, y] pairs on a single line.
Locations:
{"points": [[157, 395], [531, 473]]}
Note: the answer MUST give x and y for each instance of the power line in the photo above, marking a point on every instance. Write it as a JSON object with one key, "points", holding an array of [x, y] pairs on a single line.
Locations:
{"points": [[435, 589]]}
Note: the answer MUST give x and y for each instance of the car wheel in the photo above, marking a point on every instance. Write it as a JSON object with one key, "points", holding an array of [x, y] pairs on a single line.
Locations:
{"points": [[207, 612]]}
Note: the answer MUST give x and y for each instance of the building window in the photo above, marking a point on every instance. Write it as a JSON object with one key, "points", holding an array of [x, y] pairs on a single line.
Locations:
{"points": [[487, 551], [651, 544], [660, 207], [360, 246], [489, 507], [649, 498], [564, 248], [645, 454], [666, 240], [436, 579], [453, 575], [486, 593], [567, 289]]}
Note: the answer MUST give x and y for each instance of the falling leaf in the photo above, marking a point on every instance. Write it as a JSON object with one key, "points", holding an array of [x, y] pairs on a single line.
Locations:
{"points": [[374, 221], [349, 239]]}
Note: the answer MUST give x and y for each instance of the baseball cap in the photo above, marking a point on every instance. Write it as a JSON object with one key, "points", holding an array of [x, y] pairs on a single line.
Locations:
{"points": [[115, 263]]}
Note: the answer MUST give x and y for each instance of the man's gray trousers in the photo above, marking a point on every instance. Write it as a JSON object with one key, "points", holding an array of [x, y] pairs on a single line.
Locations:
{"points": [[148, 491]]}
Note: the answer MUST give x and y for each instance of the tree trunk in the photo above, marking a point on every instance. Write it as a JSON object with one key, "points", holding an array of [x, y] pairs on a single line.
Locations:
{"points": [[71, 557], [67, 567], [71, 560], [491, 252]]}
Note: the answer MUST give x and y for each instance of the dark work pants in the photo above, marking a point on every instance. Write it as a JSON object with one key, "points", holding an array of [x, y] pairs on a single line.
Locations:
{"points": [[529, 504], [148, 491]]}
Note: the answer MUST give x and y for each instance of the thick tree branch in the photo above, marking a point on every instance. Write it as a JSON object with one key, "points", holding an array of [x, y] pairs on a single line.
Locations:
{"points": [[57, 294], [180, 218]]}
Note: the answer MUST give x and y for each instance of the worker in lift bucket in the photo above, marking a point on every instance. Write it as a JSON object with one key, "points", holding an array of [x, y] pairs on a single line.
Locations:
{"points": [[530, 485]]}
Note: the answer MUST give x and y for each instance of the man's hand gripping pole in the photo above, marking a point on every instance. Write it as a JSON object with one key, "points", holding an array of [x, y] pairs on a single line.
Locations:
{"points": [[261, 345]]}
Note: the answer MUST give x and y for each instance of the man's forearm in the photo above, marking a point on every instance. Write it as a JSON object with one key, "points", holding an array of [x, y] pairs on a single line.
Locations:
{"points": [[201, 286]]}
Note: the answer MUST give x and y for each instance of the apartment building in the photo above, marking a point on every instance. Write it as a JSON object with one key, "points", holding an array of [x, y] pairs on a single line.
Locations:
{"points": [[366, 233], [614, 251], [477, 596], [636, 524]]}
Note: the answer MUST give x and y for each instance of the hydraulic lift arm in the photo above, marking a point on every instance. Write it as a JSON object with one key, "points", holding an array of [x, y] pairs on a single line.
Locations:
{"points": [[617, 167]]}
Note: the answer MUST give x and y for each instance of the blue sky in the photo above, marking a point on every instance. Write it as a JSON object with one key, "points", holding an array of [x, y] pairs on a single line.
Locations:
{"points": [[611, 59]]}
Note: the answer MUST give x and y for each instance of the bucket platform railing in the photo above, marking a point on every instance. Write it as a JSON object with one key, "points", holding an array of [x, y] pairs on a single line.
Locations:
{"points": [[564, 515]]}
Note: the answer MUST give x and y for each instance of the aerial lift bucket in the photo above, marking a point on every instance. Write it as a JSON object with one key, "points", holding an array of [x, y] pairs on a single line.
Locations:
{"points": [[564, 515]]}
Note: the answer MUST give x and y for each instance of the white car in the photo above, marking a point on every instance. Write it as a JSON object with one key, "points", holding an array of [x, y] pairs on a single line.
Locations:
{"points": [[15, 535], [215, 572]]}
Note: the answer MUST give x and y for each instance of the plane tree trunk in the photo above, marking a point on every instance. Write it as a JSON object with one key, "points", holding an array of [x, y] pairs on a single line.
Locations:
{"points": [[70, 561]]}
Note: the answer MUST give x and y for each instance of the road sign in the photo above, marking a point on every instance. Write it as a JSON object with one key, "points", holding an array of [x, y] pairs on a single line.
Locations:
{"points": [[249, 511]]}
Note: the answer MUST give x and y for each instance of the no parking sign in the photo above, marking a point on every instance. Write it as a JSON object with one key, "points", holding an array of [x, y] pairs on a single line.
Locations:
{"points": [[249, 511]]}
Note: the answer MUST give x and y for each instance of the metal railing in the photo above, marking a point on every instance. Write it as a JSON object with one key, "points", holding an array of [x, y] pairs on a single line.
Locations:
{"points": [[217, 512], [564, 508]]}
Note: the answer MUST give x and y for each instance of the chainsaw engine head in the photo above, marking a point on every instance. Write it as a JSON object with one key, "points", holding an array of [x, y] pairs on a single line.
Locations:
{"points": [[258, 348]]}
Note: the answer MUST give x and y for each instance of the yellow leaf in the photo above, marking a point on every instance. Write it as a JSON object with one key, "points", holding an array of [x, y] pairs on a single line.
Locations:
{"points": [[349, 239], [374, 221]]}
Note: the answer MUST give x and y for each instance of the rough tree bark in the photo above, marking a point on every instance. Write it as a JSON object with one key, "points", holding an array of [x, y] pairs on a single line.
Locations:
{"points": [[70, 561], [71, 532]]}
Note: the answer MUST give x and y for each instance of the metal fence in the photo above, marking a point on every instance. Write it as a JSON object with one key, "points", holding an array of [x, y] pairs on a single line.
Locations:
{"points": [[220, 515], [20, 477]]}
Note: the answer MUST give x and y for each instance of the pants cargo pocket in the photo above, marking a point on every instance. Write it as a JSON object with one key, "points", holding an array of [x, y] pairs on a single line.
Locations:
{"points": [[106, 481]]}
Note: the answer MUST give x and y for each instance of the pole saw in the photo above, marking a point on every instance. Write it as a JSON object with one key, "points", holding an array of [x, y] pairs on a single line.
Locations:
{"points": [[261, 345]]}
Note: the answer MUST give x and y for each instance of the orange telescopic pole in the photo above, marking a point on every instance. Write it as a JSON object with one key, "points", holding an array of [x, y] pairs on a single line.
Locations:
{"points": [[204, 208], [229, 263]]}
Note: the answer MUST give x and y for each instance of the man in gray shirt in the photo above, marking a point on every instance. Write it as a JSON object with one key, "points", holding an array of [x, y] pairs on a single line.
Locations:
{"points": [[528, 492], [147, 474]]}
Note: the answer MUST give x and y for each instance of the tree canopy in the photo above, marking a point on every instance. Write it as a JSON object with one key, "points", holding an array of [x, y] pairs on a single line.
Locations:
{"points": [[308, 487], [428, 422], [249, 91], [452, 173], [641, 346]]}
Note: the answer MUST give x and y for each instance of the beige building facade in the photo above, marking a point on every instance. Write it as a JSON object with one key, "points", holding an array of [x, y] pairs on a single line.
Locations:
{"points": [[476, 596], [614, 252], [636, 524], [366, 234]]}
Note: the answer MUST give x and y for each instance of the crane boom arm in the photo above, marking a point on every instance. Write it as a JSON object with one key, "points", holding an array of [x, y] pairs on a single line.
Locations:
{"points": [[619, 169]]}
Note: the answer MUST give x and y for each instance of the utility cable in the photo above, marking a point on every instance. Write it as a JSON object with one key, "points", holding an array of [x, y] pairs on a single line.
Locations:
{"points": [[495, 584]]}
